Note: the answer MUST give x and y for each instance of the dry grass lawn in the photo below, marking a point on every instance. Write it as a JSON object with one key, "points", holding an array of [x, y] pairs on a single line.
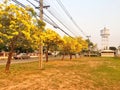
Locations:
{"points": [[80, 74]]}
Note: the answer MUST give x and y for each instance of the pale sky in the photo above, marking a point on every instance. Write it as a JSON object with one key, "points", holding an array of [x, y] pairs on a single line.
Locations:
{"points": [[94, 15], [91, 16]]}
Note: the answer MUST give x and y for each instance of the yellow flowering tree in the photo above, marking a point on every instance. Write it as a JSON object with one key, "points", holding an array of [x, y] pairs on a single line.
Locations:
{"points": [[51, 41], [72, 46], [84, 43], [16, 28]]}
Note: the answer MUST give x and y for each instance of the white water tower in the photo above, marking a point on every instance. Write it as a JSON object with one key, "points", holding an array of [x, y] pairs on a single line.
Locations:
{"points": [[105, 38]]}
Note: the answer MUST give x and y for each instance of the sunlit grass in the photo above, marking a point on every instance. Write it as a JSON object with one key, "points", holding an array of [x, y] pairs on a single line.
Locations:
{"points": [[83, 73]]}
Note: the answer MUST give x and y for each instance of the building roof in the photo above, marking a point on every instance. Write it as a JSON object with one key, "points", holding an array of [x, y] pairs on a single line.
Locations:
{"points": [[107, 51]]}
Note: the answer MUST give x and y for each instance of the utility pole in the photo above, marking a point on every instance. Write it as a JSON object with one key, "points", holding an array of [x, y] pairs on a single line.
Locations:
{"points": [[41, 46], [88, 45]]}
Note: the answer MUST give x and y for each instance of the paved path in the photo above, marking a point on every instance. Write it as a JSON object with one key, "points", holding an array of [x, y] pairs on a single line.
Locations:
{"points": [[32, 59], [3, 62]]}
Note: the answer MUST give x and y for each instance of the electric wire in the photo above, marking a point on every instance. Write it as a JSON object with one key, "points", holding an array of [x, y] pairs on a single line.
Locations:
{"points": [[55, 18], [17, 2], [61, 22], [54, 25], [68, 14], [62, 18]]}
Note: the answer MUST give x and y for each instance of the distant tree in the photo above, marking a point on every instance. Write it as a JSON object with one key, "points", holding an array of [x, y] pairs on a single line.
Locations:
{"points": [[24, 49], [89, 43], [84, 43], [112, 48], [118, 47], [72, 46], [91, 46], [3, 47]]}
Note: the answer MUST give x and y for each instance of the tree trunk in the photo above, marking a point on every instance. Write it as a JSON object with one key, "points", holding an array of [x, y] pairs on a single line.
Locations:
{"points": [[46, 54], [75, 56], [89, 54], [70, 56], [63, 57], [7, 68]]}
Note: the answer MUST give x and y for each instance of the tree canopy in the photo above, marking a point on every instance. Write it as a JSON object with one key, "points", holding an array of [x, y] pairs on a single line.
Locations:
{"points": [[52, 40], [17, 28], [72, 45]]}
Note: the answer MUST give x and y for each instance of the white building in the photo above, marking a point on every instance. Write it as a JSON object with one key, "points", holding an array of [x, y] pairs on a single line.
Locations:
{"points": [[107, 53], [105, 38]]}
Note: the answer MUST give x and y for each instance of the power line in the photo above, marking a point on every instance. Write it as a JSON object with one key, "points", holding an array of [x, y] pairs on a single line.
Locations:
{"points": [[57, 27], [53, 16], [60, 22], [43, 12], [68, 14], [60, 18], [50, 19], [17, 2], [31, 3], [54, 25], [37, 1]]}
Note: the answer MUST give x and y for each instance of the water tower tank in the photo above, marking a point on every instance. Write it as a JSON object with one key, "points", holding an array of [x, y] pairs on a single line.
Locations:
{"points": [[105, 38], [105, 33]]}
